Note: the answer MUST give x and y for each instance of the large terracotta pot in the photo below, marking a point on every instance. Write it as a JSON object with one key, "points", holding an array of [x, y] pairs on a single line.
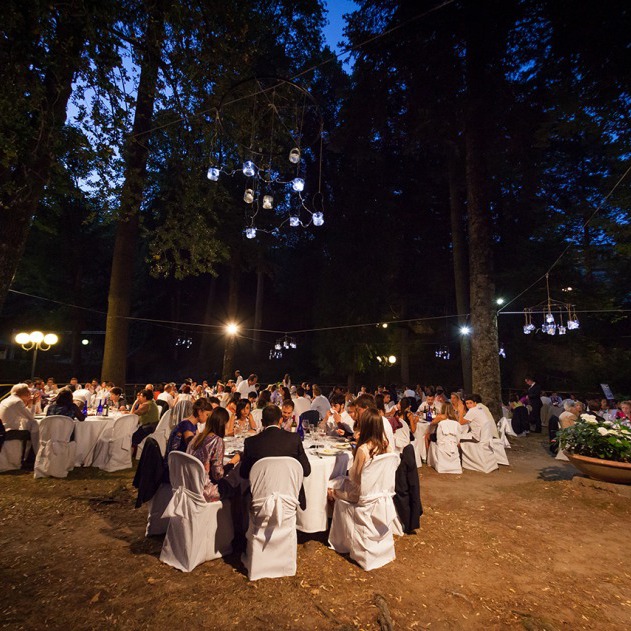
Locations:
{"points": [[606, 470]]}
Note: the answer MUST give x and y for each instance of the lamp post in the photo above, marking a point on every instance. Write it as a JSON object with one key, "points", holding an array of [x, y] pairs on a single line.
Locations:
{"points": [[231, 330], [36, 341]]}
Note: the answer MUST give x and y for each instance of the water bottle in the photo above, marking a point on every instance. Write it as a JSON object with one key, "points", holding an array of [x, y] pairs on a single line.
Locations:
{"points": [[301, 430], [85, 408], [106, 409], [99, 409], [428, 415]]}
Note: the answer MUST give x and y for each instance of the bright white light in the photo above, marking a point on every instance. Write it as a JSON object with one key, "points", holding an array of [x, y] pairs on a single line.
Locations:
{"points": [[318, 219], [85, 342], [250, 233], [51, 339], [500, 301], [22, 338], [572, 324], [232, 328], [36, 337], [549, 318], [294, 221], [268, 202], [465, 330], [278, 346], [249, 169], [213, 174], [384, 325], [294, 155], [248, 196], [392, 359], [298, 184], [562, 330], [527, 330], [379, 358]]}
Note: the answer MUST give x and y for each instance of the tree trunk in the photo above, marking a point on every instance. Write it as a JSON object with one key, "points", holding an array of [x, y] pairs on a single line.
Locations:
{"points": [[233, 303], [484, 347], [258, 310], [459, 253], [135, 151], [23, 180], [208, 336]]}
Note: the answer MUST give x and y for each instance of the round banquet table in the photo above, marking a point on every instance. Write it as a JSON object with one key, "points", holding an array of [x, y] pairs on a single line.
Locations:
{"points": [[87, 434]]}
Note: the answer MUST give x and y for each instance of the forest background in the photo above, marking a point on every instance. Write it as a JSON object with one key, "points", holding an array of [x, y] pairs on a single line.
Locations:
{"points": [[465, 155]]}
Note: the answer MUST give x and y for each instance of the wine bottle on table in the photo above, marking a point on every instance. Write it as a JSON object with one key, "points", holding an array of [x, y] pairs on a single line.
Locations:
{"points": [[300, 429], [99, 409]]}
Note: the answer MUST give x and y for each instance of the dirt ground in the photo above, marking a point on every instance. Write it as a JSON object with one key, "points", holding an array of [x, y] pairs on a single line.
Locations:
{"points": [[524, 547]]}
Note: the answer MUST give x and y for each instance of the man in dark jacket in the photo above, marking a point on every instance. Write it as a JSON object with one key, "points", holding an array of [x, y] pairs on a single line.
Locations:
{"points": [[534, 400], [273, 441]]}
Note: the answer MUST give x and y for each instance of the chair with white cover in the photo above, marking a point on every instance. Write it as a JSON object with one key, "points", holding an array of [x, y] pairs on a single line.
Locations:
{"points": [[420, 448], [160, 434], [198, 530], [365, 529], [56, 454], [504, 428], [499, 450], [12, 451], [479, 456], [113, 449], [271, 537], [443, 454], [257, 415], [402, 437]]}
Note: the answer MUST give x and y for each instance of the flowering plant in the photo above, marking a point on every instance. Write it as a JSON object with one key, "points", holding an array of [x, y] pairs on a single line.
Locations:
{"points": [[594, 437]]}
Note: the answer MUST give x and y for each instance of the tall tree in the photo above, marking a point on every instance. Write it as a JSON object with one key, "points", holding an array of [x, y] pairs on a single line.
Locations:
{"points": [[135, 155]]}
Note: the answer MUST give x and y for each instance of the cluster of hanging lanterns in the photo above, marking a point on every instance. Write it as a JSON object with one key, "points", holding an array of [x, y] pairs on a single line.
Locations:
{"points": [[553, 313], [442, 352], [282, 343]]}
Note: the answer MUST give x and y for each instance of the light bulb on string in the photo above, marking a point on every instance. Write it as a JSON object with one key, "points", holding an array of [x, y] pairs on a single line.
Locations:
{"points": [[248, 196], [268, 202], [298, 184], [249, 168], [294, 155], [213, 174], [250, 232], [294, 221], [318, 219]]}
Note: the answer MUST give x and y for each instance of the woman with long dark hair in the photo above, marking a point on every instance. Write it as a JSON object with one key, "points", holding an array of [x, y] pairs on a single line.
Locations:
{"points": [[208, 447]]}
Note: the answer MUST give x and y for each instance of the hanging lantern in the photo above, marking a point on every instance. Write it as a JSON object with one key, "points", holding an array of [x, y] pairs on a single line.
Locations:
{"points": [[298, 184], [248, 196], [294, 221], [249, 168], [562, 330], [573, 324], [549, 318], [213, 174], [278, 346], [250, 233], [318, 219], [294, 155], [268, 202]]}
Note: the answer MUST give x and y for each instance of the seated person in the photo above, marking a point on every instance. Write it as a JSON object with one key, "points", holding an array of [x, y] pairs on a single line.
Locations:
{"points": [[16, 416], [149, 414], [477, 418], [208, 448], [271, 442], [290, 420], [448, 414], [520, 421], [431, 406], [116, 400], [372, 442], [64, 405], [570, 414], [337, 420], [186, 429], [243, 416], [405, 414]]}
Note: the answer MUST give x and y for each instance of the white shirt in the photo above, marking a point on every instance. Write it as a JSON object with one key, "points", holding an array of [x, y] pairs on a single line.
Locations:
{"points": [[168, 397], [321, 404], [387, 430], [14, 414], [301, 404], [478, 419], [244, 388]]}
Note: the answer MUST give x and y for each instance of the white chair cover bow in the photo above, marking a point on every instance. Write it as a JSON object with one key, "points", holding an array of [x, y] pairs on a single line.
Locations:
{"points": [[271, 537], [198, 531]]}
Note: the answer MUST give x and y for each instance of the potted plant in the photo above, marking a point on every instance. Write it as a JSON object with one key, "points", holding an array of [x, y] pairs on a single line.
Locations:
{"points": [[601, 449]]}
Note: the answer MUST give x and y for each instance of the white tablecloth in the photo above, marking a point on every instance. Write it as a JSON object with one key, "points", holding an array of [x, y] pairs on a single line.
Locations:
{"points": [[87, 434]]}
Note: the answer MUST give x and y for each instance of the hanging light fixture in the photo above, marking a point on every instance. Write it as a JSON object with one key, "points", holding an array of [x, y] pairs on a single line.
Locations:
{"points": [[250, 232], [298, 184], [248, 196], [294, 221], [213, 174], [294, 155], [249, 168], [318, 219], [268, 202]]}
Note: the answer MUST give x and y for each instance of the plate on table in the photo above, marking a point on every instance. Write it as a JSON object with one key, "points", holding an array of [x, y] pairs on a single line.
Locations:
{"points": [[328, 452], [342, 446]]}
